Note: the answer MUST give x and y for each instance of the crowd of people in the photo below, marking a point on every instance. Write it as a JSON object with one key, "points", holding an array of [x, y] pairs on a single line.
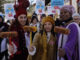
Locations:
{"points": [[46, 43]]}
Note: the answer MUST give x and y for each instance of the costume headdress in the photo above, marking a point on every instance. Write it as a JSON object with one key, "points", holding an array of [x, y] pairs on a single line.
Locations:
{"points": [[48, 19], [69, 8], [21, 7]]}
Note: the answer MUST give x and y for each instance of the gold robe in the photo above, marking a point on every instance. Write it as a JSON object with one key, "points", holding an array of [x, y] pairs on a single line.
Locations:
{"points": [[51, 48]]}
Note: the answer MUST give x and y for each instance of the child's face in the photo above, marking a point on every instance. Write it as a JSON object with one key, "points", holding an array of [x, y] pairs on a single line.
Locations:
{"points": [[34, 21]]}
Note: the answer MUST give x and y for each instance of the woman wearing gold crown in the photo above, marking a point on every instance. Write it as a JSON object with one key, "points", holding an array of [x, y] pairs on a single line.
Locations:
{"points": [[44, 42]]}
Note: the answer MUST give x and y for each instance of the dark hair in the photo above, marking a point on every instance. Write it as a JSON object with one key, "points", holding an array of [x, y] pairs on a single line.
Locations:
{"points": [[17, 25], [2, 18], [52, 31], [43, 15], [16, 22], [34, 17], [51, 15], [27, 22], [34, 14]]}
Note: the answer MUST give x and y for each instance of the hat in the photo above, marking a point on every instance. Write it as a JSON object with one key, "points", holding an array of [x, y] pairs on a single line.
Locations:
{"points": [[75, 14], [69, 8], [21, 7], [48, 19]]}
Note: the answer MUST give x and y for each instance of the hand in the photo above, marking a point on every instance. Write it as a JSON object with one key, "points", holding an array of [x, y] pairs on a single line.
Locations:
{"points": [[31, 48], [12, 48], [61, 52]]}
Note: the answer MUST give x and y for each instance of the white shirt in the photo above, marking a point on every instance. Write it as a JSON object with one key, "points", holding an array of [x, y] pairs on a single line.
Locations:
{"points": [[48, 36], [27, 38], [3, 45]]}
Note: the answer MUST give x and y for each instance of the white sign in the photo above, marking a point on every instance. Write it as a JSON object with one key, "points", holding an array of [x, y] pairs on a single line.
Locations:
{"points": [[65, 1], [9, 11], [52, 10], [57, 4], [40, 6]]}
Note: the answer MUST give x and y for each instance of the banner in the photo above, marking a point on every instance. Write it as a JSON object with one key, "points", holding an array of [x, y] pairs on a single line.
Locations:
{"points": [[9, 11], [51, 10], [66, 1], [57, 2], [40, 6]]}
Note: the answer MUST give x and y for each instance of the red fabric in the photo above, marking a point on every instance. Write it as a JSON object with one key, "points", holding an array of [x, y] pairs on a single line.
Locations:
{"points": [[19, 52], [20, 39], [19, 12], [77, 1], [21, 7]]}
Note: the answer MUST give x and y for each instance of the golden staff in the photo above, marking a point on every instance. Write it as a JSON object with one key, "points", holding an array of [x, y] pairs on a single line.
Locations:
{"points": [[56, 16], [30, 29], [62, 30], [30, 38]]}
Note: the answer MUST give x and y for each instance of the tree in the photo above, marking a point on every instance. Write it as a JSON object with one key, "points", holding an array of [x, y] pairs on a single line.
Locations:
{"points": [[2, 2], [2, 5]]}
